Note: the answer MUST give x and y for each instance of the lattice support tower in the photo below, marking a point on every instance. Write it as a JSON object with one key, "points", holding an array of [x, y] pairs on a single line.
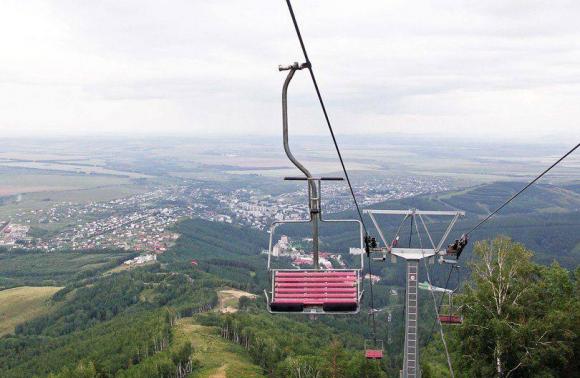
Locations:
{"points": [[413, 256]]}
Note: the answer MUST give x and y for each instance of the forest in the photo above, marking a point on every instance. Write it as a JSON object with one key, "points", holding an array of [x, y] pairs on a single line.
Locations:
{"points": [[124, 324]]}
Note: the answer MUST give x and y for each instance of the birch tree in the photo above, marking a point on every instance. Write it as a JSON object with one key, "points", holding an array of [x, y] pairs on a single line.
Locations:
{"points": [[517, 315]]}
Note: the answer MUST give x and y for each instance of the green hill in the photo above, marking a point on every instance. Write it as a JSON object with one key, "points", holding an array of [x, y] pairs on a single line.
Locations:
{"points": [[162, 320], [482, 199], [546, 218]]}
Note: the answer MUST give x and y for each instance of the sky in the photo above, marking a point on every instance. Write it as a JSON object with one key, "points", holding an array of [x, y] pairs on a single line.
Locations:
{"points": [[505, 70]]}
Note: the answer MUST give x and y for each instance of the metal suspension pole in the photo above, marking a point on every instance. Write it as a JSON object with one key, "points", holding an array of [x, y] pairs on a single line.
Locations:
{"points": [[413, 256], [411, 350], [411, 232], [313, 195], [315, 217], [324, 112]]}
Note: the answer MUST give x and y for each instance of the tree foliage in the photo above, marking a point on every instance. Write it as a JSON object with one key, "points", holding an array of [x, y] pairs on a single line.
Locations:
{"points": [[520, 319], [285, 347]]}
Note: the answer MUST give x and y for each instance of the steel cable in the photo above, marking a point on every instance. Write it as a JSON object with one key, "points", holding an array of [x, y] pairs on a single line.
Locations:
{"points": [[435, 304], [326, 117]]}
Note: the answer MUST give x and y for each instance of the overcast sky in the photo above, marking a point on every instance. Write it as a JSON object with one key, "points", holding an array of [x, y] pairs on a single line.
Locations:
{"points": [[500, 69]]}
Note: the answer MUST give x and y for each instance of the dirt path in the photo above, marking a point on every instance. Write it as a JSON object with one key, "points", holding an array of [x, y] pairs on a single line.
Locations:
{"points": [[229, 299], [220, 373]]}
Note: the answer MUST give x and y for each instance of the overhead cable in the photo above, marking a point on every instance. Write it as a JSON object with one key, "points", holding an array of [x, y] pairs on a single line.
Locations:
{"points": [[326, 117], [451, 372]]}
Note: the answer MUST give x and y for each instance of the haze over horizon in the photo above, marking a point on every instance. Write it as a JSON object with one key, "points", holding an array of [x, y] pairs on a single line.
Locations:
{"points": [[496, 71]]}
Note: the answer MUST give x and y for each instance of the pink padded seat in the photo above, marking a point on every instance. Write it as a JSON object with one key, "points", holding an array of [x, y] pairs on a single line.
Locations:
{"points": [[334, 291], [450, 319], [374, 354]]}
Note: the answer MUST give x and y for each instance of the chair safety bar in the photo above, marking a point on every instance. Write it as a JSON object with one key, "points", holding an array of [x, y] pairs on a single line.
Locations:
{"points": [[306, 221]]}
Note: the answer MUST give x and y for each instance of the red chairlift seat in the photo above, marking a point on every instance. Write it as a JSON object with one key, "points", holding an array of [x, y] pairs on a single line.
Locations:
{"points": [[450, 319], [376, 352], [449, 314], [315, 291]]}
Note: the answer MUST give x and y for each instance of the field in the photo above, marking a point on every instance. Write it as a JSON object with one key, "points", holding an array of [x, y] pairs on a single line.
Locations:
{"points": [[20, 304], [219, 358], [29, 191], [14, 182], [50, 166]]}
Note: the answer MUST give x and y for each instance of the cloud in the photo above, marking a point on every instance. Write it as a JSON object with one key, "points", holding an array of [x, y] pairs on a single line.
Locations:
{"points": [[508, 69]]}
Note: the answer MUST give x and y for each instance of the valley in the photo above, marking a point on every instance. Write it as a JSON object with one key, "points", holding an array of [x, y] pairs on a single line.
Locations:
{"points": [[166, 268]]}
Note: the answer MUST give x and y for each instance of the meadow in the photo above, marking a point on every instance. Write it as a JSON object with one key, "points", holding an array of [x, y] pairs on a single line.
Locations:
{"points": [[20, 304]]}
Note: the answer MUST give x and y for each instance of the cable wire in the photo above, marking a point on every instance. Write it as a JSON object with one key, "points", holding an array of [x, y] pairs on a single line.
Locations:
{"points": [[372, 301], [522, 190], [347, 177], [326, 117], [435, 304], [439, 306]]}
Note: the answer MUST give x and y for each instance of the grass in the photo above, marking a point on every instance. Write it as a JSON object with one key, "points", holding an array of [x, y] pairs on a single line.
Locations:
{"points": [[219, 358], [20, 304]]}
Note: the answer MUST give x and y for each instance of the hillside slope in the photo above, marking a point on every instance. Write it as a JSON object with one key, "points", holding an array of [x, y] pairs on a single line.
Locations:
{"points": [[218, 358], [23, 303], [540, 198], [546, 218]]}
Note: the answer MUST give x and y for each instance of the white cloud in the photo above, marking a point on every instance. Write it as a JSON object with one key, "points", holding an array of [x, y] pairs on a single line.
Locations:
{"points": [[509, 69]]}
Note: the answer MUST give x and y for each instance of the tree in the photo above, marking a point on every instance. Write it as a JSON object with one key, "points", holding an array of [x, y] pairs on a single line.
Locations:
{"points": [[82, 370], [359, 366], [302, 367], [518, 316], [335, 357]]}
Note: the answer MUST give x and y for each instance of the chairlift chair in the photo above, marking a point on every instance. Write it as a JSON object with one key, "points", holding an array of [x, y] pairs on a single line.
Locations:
{"points": [[450, 319], [374, 349], [311, 291], [314, 291], [448, 314]]}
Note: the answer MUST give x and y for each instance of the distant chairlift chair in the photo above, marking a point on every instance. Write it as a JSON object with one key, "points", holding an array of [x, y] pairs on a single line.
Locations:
{"points": [[374, 349], [448, 313]]}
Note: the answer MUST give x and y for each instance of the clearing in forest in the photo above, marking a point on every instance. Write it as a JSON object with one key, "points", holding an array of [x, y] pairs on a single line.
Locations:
{"points": [[230, 298], [20, 304], [218, 357]]}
